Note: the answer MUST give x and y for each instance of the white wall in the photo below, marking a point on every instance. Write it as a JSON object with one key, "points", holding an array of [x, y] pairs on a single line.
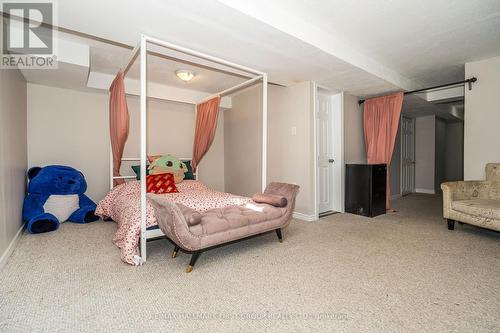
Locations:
{"points": [[243, 143], [425, 133], [171, 130], [395, 167], [354, 139], [482, 117], [13, 157], [449, 152], [289, 156], [454, 160], [440, 154], [72, 128]]}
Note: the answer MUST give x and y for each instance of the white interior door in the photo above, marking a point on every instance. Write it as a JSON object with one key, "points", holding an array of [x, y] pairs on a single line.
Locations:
{"points": [[407, 155], [325, 151]]}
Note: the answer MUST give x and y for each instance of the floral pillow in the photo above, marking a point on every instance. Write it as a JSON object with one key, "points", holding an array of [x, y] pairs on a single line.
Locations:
{"points": [[161, 183]]}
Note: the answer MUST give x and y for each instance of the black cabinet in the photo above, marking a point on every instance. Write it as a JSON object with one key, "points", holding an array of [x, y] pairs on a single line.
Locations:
{"points": [[365, 189]]}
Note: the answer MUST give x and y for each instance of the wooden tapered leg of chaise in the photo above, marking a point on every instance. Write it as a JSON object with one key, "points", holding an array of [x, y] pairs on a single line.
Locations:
{"points": [[194, 257], [278, 233], [174, 252], [451, 224]]}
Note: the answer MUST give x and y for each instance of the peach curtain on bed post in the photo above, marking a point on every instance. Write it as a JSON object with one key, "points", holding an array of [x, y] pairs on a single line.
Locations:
{"points": [[207, 114], [381, 122], [118, 123]]}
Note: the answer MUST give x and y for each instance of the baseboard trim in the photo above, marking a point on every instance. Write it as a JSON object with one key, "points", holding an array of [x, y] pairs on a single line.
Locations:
{"points": [[6, 255], [304, 217], [425, 191]]}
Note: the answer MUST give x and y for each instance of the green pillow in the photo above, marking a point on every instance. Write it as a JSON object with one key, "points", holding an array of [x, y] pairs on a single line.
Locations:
{"points": [[189, 174], [137, 170]]}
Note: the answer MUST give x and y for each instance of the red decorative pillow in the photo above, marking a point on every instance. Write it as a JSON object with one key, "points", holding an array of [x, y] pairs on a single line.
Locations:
{"points": [[161, 183]]}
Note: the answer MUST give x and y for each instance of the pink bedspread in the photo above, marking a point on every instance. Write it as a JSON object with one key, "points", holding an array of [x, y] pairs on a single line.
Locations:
{"points": [[122, 204]]}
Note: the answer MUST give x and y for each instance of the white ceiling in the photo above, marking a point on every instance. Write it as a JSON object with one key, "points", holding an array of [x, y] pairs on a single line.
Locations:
{"points": [[212, 27], [105, 58], [109, 58], [427, 41], [163, 71], [361, 47]]}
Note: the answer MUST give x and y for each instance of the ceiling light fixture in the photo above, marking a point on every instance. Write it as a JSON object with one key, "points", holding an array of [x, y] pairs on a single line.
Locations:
{"points": [[184, 75]]}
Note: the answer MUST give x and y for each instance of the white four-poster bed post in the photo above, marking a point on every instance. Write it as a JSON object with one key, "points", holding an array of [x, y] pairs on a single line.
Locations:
{"points": [[264, 131], [143, 60], [141, 51]]}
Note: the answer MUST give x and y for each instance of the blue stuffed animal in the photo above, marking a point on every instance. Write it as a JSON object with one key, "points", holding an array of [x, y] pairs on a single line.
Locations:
{"points": [[55, 195]]}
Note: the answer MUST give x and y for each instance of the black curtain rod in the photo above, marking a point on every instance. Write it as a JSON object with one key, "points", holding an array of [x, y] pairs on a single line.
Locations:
{"points": [[469, 81]]}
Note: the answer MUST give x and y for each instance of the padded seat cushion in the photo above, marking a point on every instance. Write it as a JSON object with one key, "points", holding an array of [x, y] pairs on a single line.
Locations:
{"points": [[486, 208], [233, 217]]}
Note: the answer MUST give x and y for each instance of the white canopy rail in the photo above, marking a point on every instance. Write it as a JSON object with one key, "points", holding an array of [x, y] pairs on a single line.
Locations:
{"points": [[141, 51]]}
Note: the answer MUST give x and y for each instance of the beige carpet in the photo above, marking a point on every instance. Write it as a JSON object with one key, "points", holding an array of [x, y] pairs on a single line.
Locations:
{"points": [[401, 272]]}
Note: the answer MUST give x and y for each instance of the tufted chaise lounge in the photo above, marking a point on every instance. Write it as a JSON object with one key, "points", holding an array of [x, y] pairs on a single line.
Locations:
{"points": [[195, 232]]}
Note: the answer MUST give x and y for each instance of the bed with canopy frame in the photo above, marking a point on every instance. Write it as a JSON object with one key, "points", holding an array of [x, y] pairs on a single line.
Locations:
{"points": [[140, 53]]}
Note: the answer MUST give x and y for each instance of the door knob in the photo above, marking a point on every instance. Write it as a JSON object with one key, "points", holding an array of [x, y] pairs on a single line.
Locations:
{"points": [[331, 160]]}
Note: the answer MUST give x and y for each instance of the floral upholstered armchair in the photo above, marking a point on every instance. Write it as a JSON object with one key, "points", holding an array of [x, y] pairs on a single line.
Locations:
{"points": [[474, 202]]}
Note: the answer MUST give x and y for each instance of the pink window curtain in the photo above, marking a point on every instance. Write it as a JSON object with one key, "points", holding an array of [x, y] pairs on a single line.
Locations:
{"points": [[381, 121], [118, 123], [207, 114]]}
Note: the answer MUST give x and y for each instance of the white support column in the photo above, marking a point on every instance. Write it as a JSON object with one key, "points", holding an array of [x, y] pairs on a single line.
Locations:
{"points": [[264, 131], [143, 106]]}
